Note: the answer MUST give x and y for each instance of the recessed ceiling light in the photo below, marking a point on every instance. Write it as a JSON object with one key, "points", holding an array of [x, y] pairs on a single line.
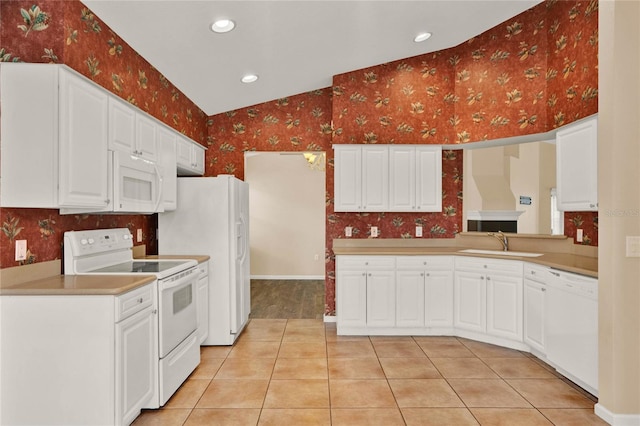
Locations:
{"points": [[223, 26], [249, 78], [422, 37]]}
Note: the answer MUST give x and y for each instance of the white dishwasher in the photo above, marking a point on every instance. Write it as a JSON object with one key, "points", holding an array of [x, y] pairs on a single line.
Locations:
{"points": [[572, 327]]}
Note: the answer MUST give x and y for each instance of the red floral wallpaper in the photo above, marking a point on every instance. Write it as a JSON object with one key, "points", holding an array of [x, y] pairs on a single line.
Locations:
{"points": [[66, 32], [532, 73]]}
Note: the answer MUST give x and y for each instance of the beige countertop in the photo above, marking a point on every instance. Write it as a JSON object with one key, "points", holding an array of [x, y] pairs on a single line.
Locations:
{"points": [[73, 285], [584, 265]]}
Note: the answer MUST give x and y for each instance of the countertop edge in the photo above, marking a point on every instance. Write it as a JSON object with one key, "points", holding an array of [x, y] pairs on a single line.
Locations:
{"points": [[553, 260]]}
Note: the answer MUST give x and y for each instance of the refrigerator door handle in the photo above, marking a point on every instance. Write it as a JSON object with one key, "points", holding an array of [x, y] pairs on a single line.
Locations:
{"points": [[241, 246]]}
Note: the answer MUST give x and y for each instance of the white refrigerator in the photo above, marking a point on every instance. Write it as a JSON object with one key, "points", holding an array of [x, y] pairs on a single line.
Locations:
{"points": [[212, 218]]}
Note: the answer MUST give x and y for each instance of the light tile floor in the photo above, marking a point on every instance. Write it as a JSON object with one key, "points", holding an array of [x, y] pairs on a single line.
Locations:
{"points": [[299, 372]]}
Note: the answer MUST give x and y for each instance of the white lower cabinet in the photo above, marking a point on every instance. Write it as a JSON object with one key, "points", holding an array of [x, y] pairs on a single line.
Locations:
{"points": [[78, 360], [424, 291], [203, 301], [535, 290], [365, 289], [488, 297]]}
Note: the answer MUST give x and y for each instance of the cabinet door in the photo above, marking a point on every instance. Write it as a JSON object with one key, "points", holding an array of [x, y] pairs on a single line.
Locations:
{"points": [[198, 159], [410, 298], [168, 168], [438, 300], [534, 308], [122, 126], [29, 135], [429, 179], [504, 306], [402, 178], [183, 152], [375, 178], [203, 308], [381, 296], [351, 299], [83, 143], [470, 301], [347, 178], [577, 166], [135, 373], [146, 144]]}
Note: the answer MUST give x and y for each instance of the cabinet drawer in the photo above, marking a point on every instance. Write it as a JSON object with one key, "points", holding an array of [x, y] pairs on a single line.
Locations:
{"points": [[134, 301], [366, 262], [476, 264], [536, 273], [422, 262], [203, 268]]}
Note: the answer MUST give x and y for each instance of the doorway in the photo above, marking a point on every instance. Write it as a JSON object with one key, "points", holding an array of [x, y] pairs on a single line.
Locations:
{"points": [[287, 228]]}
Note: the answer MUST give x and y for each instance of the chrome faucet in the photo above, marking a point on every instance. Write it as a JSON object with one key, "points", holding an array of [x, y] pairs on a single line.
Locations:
{"points": [[502, 238]]}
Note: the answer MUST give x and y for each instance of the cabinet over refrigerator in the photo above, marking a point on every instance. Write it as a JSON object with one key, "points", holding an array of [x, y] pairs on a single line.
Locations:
{"points": [[212, 218]]}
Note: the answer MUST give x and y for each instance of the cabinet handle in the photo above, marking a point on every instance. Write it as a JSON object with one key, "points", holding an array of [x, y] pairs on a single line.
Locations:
{"points": [[484, 266], [488, 278], [140, 300], [533, 272], [482, 278], [422, 274], [555, 273], [369, 274], [543, 289], [428, 274], [155, 311], [364, 274], [425, 263]]}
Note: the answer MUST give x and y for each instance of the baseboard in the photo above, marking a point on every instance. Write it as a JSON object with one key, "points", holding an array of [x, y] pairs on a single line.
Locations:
{"points": [[616, 419], [329, 318], [287, 277]]}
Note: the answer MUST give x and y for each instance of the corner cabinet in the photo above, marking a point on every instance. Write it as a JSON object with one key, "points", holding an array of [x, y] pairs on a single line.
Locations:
{"points": [[54, 138], [488, 297], [388, 178], [577, 166]]}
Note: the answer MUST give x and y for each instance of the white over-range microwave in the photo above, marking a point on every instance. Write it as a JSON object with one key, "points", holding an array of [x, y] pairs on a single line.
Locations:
{"points": [[134, 186]]}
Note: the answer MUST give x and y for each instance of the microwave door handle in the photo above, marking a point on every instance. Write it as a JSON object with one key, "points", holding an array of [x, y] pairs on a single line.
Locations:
{"points": [[181, 281]]}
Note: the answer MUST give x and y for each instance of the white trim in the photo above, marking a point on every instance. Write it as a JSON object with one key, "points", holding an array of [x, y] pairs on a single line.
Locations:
{"points": [[330, 318], [493, 214], [287, 277], [616, 419]]}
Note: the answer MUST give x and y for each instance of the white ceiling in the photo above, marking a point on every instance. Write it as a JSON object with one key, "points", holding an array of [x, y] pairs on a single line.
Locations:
{"points": [[294, 46]]}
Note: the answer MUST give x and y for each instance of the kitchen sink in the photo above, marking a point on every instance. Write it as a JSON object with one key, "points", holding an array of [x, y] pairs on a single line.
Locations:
{"points": [[501, 252]]}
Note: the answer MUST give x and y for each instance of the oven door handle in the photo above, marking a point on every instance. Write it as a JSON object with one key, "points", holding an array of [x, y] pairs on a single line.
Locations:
{"points": [[167, 285]]}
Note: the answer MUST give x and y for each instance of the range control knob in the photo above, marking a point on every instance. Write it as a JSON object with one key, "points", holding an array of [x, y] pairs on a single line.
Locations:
{"points": [[91, 241], [83, 241]]}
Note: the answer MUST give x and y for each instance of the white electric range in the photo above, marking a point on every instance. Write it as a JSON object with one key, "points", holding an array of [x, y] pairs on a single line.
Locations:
{"points": [[109, 251]]}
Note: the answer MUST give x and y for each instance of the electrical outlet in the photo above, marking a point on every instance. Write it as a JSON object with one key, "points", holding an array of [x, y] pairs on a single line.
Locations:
{"points": [[316, 257], [374, 231], [579, 235], [21, 249], [348, 231], [418, 231], [139, 235]]}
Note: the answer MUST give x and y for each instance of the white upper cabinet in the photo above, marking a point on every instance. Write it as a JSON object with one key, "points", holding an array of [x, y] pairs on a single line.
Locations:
{"points": [[190, 157], [388, 178], [54, 138], [361, 178], [415, 178], [168, 167], [131, 130], [348, 178], [83, 143], [577, 166], [375, 178]]}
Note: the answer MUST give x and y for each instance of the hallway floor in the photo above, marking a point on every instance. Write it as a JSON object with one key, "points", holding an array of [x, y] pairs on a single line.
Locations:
{"points": [[299, 372]]}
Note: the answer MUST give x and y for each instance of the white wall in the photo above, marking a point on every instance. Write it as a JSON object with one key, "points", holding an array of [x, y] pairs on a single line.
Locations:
{"points": [[287, 216]]}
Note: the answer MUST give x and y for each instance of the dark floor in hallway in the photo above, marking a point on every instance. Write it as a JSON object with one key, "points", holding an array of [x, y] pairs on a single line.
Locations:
{"points": [[287, 299]]}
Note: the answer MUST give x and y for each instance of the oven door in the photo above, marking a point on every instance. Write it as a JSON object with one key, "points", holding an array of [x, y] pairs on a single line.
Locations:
{"points": [[137, 184], [177, 309]]}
